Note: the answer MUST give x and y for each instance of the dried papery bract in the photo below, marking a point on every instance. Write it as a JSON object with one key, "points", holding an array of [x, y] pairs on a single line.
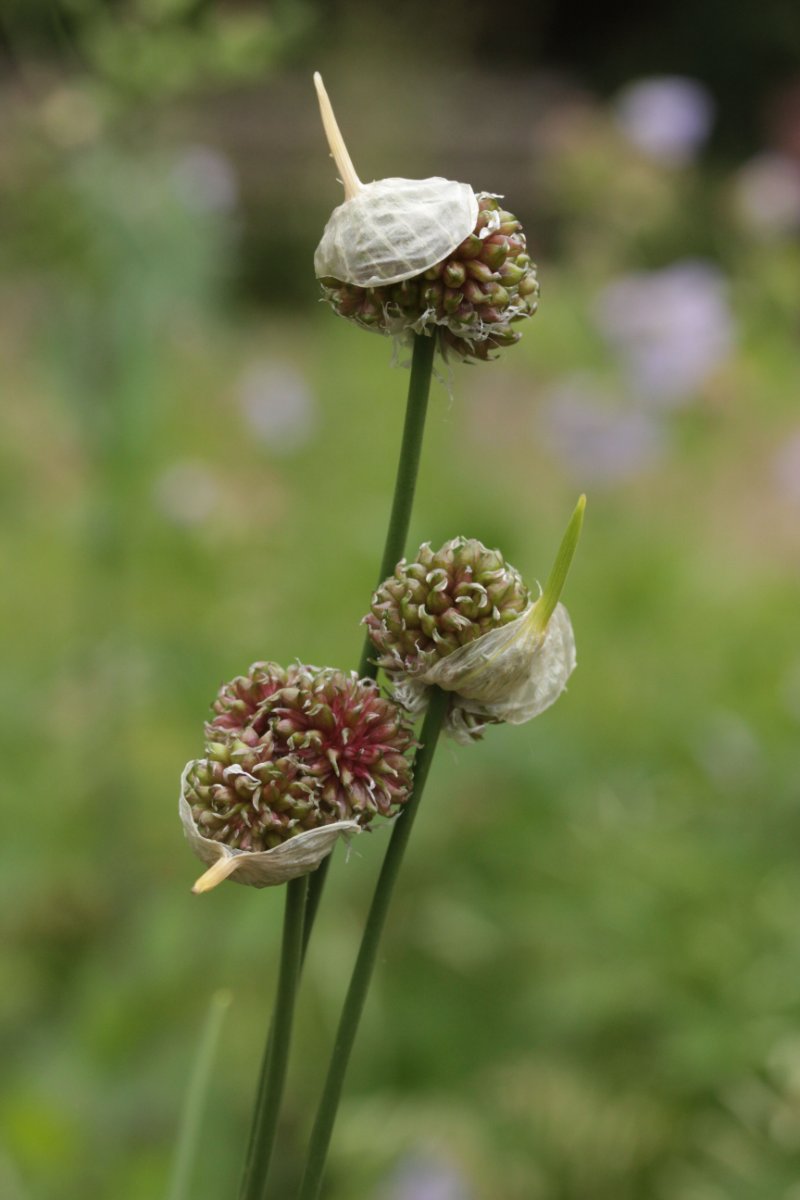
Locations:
{"points": [[509, 675], [391, 229], [297, 856], [424, 256], [462, 619]]}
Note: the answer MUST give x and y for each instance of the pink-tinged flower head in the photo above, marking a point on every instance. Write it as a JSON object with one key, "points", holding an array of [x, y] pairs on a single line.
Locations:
{"points": [[247, 798], [349, 738], [239, 700], [294, 757]]}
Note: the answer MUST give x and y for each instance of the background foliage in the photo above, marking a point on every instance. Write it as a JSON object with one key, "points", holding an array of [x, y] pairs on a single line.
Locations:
{"points": [[590, 980]]}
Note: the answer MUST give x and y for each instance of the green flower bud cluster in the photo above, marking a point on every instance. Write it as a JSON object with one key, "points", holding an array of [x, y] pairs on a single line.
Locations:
{"points": [[245, 797], [472, 298], [461, 619], [442, 600]]}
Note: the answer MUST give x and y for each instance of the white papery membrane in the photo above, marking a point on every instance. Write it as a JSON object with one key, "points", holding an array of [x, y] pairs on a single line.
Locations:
{"points": [[298, 855], [394, 229], [509, 674]]}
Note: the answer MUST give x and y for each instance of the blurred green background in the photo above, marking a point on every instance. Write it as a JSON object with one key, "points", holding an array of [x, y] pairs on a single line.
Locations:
{"points": [[590, 981]]}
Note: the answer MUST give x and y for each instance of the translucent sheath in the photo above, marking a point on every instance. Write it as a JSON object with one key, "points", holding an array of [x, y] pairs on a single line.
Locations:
{"points": [[260, 868], [395, 229], [513, 673]]}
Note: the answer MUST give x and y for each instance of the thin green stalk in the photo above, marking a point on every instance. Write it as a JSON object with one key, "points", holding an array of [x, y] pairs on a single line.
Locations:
{"points": [[419, 385], [192, 1117], [316, 883], [276, 1051], [313, 897], [362, 972], [416, 409], [408, 466]]}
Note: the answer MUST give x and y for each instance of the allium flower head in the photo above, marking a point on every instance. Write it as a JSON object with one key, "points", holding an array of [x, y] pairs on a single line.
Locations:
{"points": [[429, 256], [295, 757], [441, 600], [462, 619], [239, 701]]}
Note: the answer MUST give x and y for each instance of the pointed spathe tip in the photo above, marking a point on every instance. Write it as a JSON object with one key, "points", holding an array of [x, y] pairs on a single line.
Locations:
{"points": [[350, 181], [221, 869], [551, 593]]}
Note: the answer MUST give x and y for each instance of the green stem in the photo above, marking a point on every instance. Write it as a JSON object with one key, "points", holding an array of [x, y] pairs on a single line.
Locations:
{"points": [[313, 897], [419, 385], [316, 883], [258, 1154], [276, 1051], [416, 409], [362, 972]]}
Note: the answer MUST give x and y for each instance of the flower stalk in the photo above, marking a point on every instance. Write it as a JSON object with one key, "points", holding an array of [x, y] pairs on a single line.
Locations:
{"points": [[276, 1051], [365, 963], [419, 386], [268, 1096], [407, 469]]}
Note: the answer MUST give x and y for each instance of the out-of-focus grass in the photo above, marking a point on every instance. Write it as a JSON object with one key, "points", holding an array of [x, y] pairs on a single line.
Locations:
{"points": [[590, 978]]}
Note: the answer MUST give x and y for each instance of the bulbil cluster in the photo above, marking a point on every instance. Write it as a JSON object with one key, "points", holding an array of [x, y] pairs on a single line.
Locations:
{"points": [[462, 619], [295, 749], [472, 298], [424, 256], [442, 600]]}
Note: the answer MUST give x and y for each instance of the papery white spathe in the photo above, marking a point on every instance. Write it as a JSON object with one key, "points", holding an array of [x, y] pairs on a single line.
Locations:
{"points": [[510, 674], [298, 855], [391, 229]]}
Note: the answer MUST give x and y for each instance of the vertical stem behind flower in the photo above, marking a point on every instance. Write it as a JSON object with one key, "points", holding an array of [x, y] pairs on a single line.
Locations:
{"points": [[418, 389], [260, 1147], [419, 386], [276, 1051], [362, 972]]}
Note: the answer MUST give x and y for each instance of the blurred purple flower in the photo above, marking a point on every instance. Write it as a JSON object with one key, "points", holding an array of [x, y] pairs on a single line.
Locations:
{"points": [[278, 406], [767, 194], [186, 493], [668, 117], [426, 1178], [786, 468], [671, 327], [598, 442], [205, 180]]}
